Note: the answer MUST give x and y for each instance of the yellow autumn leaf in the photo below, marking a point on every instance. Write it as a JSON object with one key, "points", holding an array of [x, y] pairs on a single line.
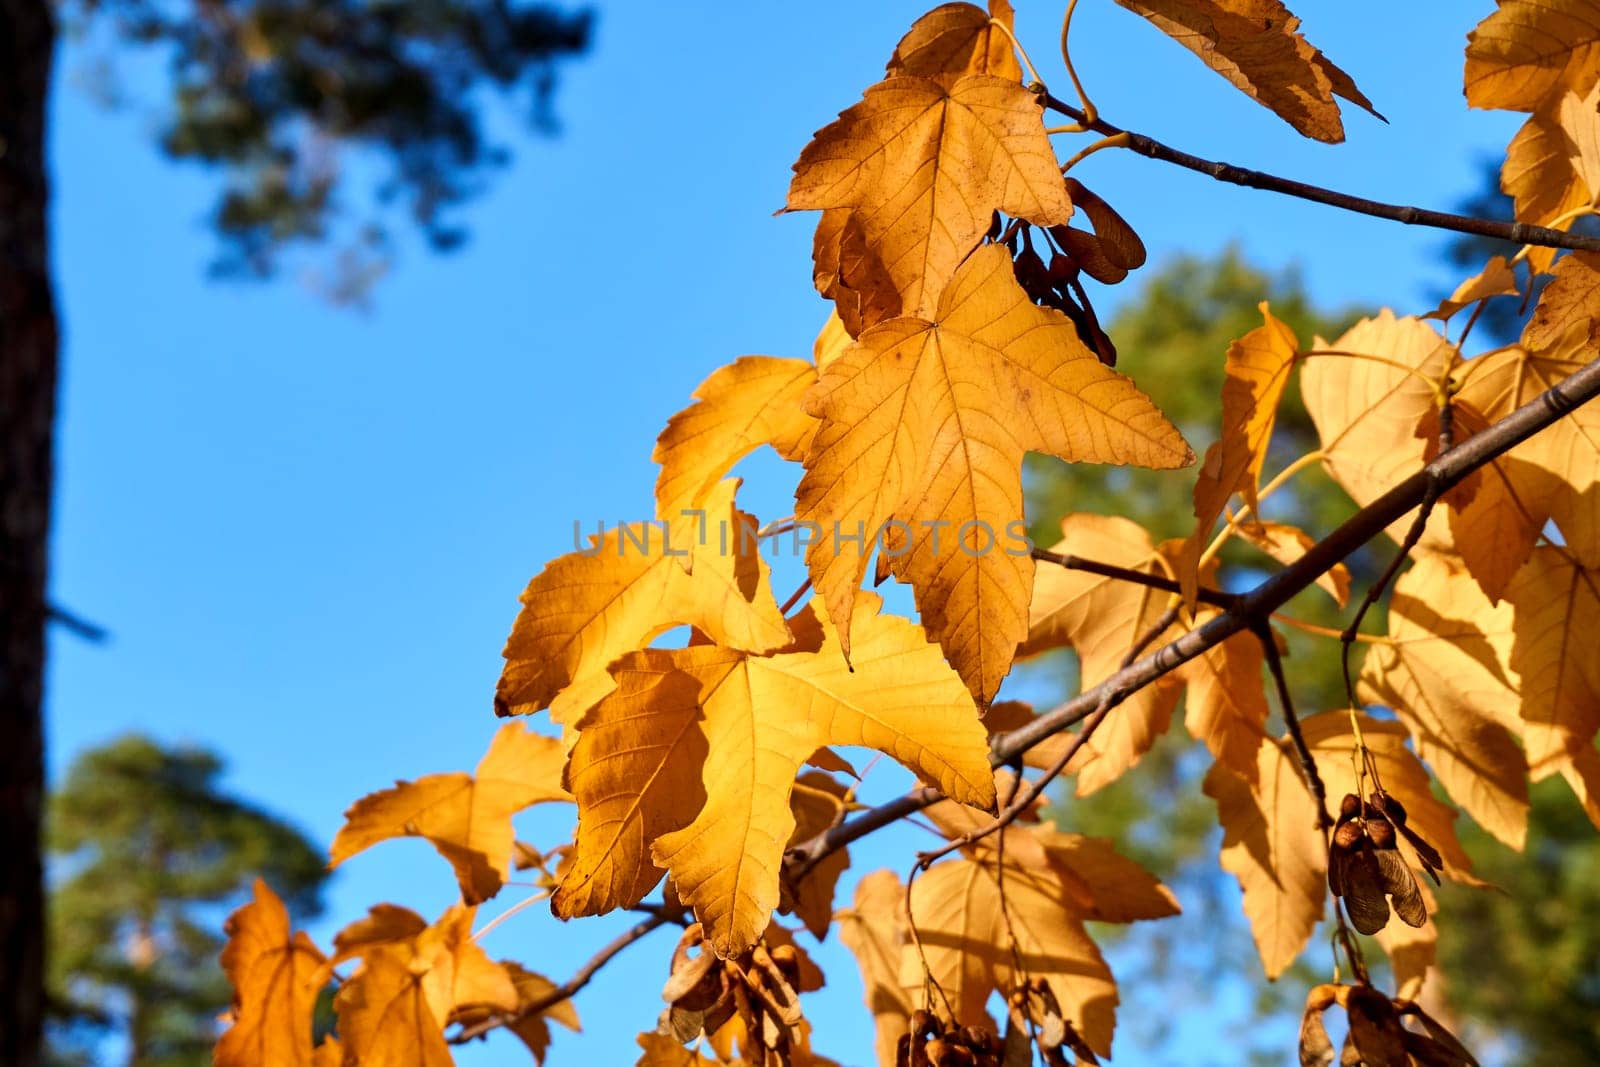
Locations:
{"points": [[276, 978], [1102, 618], [966, 926], [466, 817], [384, 924], [1571, 302], [1528, 49], [1256, 45], [1495, 279], [387, 1017], [958, 39], [1540, 177], [1557, 603], [1445, 671], [393, 1009], [925, 425], [758, 719], [1286, 544], [587, 608], [1555, 475], [751, 402], [1256, 369], [923, 164], [533, 1030], [818, 802], [1366, 398], [874, 929], [1272, 845], [664, 1050]]}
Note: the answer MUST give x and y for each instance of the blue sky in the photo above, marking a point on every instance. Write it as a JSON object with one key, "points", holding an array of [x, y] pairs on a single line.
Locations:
{"points": [[307, 528]]}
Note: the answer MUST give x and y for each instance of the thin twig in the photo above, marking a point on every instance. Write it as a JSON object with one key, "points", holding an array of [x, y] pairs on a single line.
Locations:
{"points": [[1215, 597], [1436, 478], [1291, 721], [1348, 636], [1009, 812], [1516, 232], [570, 987]]}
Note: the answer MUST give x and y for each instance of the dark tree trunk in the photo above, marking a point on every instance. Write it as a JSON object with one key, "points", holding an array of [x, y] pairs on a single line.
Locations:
{"points": [[27, 415]]}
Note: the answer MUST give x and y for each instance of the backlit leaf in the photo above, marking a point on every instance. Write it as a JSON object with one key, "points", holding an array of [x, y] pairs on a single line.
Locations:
{"points": [[874, 929], [759, 719], [1528, 49], [1446, 674], [958, 39], [1557, 606], [276, 979], [923, 164], [925, 424], [1257, 46], [466, 817], [589, 607]]}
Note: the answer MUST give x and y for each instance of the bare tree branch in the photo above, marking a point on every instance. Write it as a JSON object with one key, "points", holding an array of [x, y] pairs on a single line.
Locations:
{"points": [[1516, 232]]}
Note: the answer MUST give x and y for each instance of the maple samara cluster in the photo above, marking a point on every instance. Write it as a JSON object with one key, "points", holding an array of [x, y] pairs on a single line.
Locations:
{"points": [[716, 786]]}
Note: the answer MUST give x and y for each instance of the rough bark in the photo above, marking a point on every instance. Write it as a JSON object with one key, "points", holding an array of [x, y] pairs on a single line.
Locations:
{"points": [[28, 351]]}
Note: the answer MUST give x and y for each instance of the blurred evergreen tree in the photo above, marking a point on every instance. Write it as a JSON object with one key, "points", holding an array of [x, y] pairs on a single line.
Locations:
{"points": [[148, 854]]}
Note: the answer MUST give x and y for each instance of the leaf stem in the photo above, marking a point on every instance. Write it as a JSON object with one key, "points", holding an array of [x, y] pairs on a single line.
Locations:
{"points": [[1519, 233]]}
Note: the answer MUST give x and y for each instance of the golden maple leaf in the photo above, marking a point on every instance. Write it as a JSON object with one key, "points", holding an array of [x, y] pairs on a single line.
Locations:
{"points": [[1366, 398], [959, 39], [818, 801], [466, 817], [1445, 671], [966, 925], [1571, 302], [925, 424], [1270, 843], [751, 402], [587, 608], [1552, 477], [1256, 45], [1557, 603], [874, 929], [1102, 618], [1256, 372], [1528, 49], [923, 164], [1550, 170], [393, 1009], [276, 980], [688, 766]]}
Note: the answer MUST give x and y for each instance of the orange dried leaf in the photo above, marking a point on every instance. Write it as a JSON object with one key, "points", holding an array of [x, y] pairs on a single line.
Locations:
{"points": [[387, 1017], [751, 402], [923, 164], [1528, 49], [1446, 674], [958, 39], [1257, 46], [1555, 475], [874, 929], [466, 817], [587, 608], [1570, 302], [1557, 605], [1541, 174], [925, 424], [1495, 279], [276, 979], [759, 719], [818, 802], [1272, 845], [1257, 372], [1366, 410]]}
